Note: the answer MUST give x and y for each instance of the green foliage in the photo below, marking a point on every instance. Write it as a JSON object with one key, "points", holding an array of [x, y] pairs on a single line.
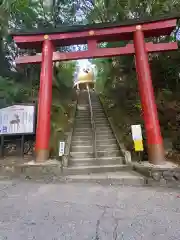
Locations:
{"points": [[64, 74], [13, 93]]}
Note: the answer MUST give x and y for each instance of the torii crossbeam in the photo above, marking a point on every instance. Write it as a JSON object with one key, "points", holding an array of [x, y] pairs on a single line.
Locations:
{"points": [[92, 35]]}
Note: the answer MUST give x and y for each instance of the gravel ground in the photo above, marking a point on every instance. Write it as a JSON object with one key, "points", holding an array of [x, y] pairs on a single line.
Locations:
{"points": [[87, 211]]}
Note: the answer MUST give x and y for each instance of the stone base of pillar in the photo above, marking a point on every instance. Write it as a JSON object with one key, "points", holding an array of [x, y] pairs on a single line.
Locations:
{"points": [[42, 155], [156, 154]]}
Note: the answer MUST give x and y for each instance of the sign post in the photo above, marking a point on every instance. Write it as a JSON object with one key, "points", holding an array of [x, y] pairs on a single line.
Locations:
{"points": [[17, 120], [61, 148], [137, 137]]}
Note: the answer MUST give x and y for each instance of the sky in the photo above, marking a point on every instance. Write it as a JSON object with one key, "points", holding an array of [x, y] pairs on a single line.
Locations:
{"points": [[83, 63]]}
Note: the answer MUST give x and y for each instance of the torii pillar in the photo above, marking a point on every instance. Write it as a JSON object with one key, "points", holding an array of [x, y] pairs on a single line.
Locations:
{"points": [[44, 104], [152, 126]]}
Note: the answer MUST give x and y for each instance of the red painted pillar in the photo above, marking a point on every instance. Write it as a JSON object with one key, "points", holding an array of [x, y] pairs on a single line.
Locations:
{"points": [[153, 132], [44, 105]]}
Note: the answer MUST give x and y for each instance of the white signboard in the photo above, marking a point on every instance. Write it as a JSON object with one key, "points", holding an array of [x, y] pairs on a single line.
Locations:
{"points": [[136, 132], [178, 35], [61, 148], [17, 119]]}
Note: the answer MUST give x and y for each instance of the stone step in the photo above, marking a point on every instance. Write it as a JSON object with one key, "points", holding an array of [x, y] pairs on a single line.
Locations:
{"points": [[83, 117], [79, 131], [102, 125], [100, 146], [82, 148], [87, 113], [81, 138], [75, 155], [99, 129], [106, 141], [98, 161], [124, 178], [87, 121], [76, 129], [101, 137], [99, 124], [83, 122], [103, 131], [104, 135], [82, 129], [101, 120], [82, 125], [102, 117], [108, 153], [78, 170], [98, 114], [95, 113], [82, 109], [79, 134], [97, 109], [81, 142]]}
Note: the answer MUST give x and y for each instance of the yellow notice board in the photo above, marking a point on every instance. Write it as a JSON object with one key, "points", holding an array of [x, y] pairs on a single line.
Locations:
{"points": [[137, 138], [138, 145]]}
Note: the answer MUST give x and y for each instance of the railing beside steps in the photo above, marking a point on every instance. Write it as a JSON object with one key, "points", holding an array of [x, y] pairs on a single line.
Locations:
{"points": [[92, 124], [66, 156]]}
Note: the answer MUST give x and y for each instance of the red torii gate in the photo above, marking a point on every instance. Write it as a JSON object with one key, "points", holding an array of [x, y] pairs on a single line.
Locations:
{"points": [[92, 35]]}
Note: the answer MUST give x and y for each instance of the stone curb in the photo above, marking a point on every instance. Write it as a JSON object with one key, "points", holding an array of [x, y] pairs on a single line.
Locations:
{"points": [[165, 176]]}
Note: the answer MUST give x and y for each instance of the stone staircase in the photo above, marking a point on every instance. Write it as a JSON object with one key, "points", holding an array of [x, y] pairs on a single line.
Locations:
{"points": [[82, 157]]}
